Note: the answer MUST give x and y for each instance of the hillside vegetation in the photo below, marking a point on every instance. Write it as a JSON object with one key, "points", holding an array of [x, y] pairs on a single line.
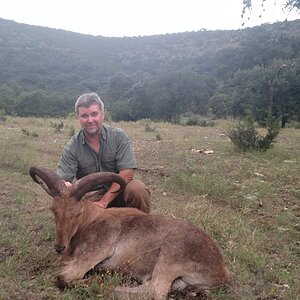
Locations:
{"points": [[248, 203], [215, 73]]}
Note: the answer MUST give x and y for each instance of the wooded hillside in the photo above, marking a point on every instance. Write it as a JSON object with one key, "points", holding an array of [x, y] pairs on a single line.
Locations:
{"points": [[224, 73]]}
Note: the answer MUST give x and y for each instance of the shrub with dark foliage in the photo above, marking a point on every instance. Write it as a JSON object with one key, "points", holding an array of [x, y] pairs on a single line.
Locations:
{"points": [[245, 136]]}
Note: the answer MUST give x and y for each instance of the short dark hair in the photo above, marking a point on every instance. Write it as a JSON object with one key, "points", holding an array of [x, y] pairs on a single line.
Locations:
{"points": [[88, 99]]}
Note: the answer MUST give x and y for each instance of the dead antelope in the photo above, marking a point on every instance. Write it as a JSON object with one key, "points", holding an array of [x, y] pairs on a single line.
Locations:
{"points": [[162, 253]]}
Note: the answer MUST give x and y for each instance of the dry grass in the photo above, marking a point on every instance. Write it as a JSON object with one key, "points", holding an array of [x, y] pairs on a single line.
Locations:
{"points": [[249, 203]]}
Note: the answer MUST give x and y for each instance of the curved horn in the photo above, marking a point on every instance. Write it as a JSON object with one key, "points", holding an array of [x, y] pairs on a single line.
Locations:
{"points": [[87, 183], [55, 186]]}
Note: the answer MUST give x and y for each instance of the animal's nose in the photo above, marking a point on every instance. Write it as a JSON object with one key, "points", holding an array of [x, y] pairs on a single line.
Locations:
{"points": [[59, 249]]}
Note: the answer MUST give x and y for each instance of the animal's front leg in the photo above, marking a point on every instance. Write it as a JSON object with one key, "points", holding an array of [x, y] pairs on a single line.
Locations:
{"points": [[71, 271], [75, 267]]}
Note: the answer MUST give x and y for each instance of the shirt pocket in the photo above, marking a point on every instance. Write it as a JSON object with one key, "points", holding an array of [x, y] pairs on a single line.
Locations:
{"points": [[86, 167], [108, 162]]}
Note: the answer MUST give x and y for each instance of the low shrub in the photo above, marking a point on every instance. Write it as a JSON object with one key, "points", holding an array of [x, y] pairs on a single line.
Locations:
{"points": [[2, 115], [148, 126], [245, 136], [29, 134], [71, 131], [293, 124], [158, 136], [57, 126], [194, 121]]}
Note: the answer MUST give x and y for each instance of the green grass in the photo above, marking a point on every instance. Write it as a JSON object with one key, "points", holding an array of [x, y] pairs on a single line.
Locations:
{"points": [[247, 202]]}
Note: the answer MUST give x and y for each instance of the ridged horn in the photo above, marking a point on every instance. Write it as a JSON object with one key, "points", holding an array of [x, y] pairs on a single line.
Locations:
{"points": [[55, 186], [88, 182]]}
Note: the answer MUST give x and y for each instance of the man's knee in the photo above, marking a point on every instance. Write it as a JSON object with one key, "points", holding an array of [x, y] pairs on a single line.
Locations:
{"points": [[137, 195]]}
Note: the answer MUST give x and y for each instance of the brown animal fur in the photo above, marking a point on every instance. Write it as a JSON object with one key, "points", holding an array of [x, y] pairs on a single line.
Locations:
{"points": [[163, 253]]}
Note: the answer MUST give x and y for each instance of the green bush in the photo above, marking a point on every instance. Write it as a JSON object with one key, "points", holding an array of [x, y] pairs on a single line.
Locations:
{"points": [[72, 131], [29, 134], [293, 124], [175, 120], [2, 115], [194, 121], [158, 136], [148, 126], [245, 136], [57, 126]]}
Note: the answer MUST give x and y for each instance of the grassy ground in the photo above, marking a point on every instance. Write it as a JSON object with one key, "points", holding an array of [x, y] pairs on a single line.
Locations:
{"points": [[249, 203]]}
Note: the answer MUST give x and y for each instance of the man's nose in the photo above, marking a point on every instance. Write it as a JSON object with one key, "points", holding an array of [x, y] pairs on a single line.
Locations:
{"points": [[90, 119]]}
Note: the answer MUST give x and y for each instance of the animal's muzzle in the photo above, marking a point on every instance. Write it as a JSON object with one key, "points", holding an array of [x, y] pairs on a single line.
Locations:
{"points": [[59, 249]]}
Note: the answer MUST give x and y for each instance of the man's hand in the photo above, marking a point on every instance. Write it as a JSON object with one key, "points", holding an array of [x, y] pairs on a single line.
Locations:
{"points": [[68, 184], [112, 193]]}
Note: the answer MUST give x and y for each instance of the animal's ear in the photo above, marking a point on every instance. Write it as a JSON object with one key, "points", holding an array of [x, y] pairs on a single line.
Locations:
{"points": [[50, 181]]}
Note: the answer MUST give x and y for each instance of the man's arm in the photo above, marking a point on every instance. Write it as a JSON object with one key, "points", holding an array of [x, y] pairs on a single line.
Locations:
{"points": [[111, 194], [67, 165]]}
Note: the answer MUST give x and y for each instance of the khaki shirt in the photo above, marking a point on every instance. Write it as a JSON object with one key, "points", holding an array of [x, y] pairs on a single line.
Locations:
{"points": [[79, 159]]}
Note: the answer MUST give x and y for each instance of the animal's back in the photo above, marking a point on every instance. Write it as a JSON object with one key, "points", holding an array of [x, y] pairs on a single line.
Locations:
{"points": [[144, 239]]}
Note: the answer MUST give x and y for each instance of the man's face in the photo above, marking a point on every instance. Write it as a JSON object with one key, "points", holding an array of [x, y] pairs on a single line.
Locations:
{"points": [[90, 119]]}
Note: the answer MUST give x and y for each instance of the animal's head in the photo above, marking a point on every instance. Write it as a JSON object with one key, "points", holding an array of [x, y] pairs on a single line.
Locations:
{"points": [[67, 207]]}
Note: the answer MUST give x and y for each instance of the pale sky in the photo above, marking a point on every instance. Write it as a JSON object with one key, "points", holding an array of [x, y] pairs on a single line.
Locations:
{"points": [[120, 18]]}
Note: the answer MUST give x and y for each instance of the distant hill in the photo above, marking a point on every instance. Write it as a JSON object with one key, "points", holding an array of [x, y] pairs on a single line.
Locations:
{"points": [[44, 70]]}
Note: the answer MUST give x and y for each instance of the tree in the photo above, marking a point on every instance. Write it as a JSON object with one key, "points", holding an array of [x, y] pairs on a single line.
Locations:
{"points": [[183, 91], [261, 89], [220, 105], [141, 99], [31, 104], [286, 101], [288, 6], [7, 98], [119, 84]]}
